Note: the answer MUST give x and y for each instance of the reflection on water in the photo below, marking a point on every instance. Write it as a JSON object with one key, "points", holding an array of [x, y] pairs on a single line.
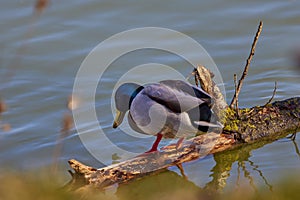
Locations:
{"points": [[225, 161], [170, 185], [166, 185], [296, 148]]}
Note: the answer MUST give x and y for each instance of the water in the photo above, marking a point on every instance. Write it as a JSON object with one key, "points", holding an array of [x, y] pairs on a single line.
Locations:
{"points": [[51, 48]]}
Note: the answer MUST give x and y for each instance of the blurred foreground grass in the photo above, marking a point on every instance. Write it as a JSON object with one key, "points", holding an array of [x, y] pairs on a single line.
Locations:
{"points": [[25, 187]]}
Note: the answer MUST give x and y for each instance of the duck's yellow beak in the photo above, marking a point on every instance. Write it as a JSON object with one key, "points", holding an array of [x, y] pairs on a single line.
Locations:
{"points": [[119, 118]]}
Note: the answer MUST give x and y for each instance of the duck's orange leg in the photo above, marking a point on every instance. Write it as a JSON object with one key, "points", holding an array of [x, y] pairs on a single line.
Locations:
{"points": [[156, 143], [178, 144]]}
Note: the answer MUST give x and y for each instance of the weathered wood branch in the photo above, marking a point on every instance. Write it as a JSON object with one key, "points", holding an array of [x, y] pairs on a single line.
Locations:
{"points": [[264, 122], [153, 162], [268, 122], [205, 77]]}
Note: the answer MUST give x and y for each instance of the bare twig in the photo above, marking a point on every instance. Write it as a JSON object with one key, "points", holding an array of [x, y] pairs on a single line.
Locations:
{"points": [[235, 88], [196, 76], [273, 95], [237, 92], [292, 136]]}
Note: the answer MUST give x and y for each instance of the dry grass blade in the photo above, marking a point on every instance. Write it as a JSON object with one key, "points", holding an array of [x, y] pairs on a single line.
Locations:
{"points": [[3, 106], [40, 5], [66, 126], [237, 102], [67, 123]]}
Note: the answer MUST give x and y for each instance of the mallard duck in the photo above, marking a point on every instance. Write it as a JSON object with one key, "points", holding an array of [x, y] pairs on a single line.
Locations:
{"points": [[169, 109]]}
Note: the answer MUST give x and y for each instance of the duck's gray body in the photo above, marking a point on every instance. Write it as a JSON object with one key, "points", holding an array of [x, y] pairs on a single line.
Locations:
{"points": [[173, 108]]}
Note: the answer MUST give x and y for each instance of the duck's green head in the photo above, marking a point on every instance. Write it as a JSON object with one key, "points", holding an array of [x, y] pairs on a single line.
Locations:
{"points": [[123, 99]]}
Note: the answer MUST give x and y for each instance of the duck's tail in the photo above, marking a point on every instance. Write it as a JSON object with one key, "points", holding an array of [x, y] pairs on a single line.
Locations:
{"points": [[209, 124]]}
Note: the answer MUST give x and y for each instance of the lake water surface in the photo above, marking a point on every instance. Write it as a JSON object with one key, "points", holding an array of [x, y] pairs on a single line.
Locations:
{"points": [[40, 56]]}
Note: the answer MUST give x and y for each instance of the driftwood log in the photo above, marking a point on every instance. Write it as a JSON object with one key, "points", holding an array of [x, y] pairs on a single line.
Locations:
{"points": [[268, 122], [241, 126]]}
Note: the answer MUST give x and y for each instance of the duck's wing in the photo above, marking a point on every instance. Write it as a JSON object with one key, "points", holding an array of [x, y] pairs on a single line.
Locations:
{"points": [[133, 125], [177, 100], [189, 89]]}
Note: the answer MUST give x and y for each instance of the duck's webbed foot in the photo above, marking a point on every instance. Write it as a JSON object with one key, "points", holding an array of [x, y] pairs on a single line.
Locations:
{"points": [[178, 145], [154, 146]]}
